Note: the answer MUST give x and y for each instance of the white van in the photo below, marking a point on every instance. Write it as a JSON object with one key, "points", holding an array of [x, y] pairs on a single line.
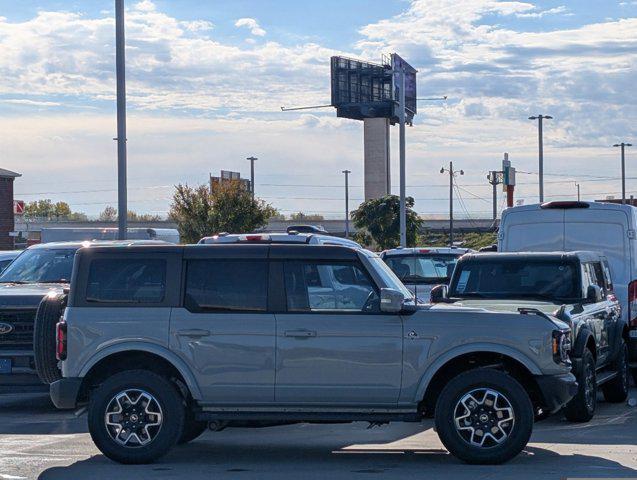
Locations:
{"points": [[607, 228]]}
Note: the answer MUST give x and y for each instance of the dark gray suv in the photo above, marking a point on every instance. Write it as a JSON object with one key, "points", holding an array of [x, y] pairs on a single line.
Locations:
{"points": [[159, 342]]}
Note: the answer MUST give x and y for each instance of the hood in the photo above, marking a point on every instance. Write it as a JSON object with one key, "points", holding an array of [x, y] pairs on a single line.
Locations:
{"points": [[505, 305], [28, 294]]}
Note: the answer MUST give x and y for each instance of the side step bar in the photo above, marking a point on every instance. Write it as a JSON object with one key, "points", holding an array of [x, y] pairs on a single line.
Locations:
{"points": [[603, 377], [309, 416]]}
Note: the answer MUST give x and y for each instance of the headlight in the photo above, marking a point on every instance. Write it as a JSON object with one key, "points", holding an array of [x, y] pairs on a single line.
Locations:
{"points": [[561, 346]]}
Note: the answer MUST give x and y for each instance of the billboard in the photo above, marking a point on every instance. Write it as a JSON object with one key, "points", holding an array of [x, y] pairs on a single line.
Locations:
{"points": [[369, 90], [398, 63]]}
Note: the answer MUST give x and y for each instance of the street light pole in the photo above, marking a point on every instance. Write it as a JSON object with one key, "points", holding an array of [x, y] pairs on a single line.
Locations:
{"points": [[452, 175], [120, 68], [623, 146], [539, 119], [494, 178], [403, 174], [578, 195], [252, 160], [347, 172]]}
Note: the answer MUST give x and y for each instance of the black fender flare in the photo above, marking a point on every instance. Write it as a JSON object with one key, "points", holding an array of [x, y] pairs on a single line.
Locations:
{"points": [[580, 342]]}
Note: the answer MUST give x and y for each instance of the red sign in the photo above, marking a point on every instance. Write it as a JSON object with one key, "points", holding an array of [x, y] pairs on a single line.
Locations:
{"points": [[18, 207]]}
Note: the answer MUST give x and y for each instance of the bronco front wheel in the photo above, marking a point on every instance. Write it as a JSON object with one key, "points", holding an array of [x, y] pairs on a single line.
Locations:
{"points": [[135, 416], [484, 416]]}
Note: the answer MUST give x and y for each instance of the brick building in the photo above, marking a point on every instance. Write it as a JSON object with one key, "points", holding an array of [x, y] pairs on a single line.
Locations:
{"points": [[6, 208]]}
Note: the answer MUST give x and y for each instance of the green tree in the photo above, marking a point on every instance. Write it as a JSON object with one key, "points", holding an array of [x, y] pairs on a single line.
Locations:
{"points": [[380, 219], [46, 209], [228, 208]]}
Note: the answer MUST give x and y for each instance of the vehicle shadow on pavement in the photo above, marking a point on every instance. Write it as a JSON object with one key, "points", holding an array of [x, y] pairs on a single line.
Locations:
{"points": [[34, 414], [331, 452]]}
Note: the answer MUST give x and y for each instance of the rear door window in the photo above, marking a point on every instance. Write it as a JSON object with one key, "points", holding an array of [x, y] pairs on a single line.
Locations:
{"points": [[217, 285], [115, 280]]}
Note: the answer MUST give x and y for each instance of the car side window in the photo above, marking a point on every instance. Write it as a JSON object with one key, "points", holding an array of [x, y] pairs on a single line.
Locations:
{"points": [[600, 278], [329, 287], [126, 280], [607, 276], [217, 285], [594, 276]]}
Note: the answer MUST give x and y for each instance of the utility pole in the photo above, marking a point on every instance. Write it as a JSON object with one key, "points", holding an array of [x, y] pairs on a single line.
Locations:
{"points": [[495, 179], [578, 195], [539, 119], [252, 160], [120, 68], [347, 172], [623, 146], [403, 174], [452, 175]]}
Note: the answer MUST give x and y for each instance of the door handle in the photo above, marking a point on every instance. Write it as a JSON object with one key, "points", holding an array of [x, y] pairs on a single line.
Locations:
{"points": [[194, 332], [300, 333]]}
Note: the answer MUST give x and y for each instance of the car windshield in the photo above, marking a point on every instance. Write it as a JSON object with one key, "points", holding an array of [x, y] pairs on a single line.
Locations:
{"points": [[423, 268], [390, 278], [40, 265], [556, 281]]}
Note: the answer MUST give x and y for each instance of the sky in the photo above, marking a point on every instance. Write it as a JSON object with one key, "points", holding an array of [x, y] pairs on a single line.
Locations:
{"points": [[206, 80]]}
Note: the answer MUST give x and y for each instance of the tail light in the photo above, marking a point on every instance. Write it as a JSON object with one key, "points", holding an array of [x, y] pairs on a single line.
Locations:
{"points": [[632, 304], [60, 340]]}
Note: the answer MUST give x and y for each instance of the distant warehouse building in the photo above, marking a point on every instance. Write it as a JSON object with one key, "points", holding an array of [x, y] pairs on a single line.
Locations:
{"points": [[7, 208]]}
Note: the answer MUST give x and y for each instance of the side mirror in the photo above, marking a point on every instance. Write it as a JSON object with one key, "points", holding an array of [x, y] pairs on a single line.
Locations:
{"points": [[594, 294], [391, 301], [439, 294]]}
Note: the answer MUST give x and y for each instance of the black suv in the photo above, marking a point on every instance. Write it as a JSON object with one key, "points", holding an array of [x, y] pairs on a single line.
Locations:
{"points": [[577, 288]]}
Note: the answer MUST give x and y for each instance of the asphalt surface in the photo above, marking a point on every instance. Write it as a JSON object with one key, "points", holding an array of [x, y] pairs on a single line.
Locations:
{"points": [[36, 441]]}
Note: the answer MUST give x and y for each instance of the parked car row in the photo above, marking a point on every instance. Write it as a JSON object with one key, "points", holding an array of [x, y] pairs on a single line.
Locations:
{"points": [[157, 341]]}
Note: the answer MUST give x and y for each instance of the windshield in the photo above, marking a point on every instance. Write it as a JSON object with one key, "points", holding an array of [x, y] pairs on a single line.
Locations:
{"points": [[390, 278], [556, 281], [423, 268], [40, 265]]}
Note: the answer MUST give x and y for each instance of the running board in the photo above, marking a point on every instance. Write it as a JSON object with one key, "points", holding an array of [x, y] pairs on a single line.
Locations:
{"points": [[604, 377], [309, 416]]}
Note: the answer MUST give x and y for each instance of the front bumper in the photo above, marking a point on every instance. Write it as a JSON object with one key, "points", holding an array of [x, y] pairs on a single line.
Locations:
{"points": [[556, 390], [64, 392]]}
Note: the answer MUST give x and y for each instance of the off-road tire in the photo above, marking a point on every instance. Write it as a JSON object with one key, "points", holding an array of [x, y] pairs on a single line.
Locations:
{"points": [[172, 411], [582, 406], [506, 385], [192, 428], [616, 390], [47, 316]]}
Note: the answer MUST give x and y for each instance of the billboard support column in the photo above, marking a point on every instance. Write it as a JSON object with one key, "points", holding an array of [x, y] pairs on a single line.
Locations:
{"points": [[376, 158]]}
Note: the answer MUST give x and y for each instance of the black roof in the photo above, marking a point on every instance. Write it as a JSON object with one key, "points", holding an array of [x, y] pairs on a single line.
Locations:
{"points": [[236, 251]]}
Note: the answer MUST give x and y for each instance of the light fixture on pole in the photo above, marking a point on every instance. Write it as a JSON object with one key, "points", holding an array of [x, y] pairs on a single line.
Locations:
{"points": [[623, 146], [540, 119], [252, 160], [347, 172], [452, 175]]}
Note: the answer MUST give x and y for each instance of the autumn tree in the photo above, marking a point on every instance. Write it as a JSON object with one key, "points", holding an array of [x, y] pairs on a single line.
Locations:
{"points": [[199, 212]]}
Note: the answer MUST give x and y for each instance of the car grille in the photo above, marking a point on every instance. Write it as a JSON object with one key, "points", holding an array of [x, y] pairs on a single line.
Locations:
{"points": [[22, 334]]}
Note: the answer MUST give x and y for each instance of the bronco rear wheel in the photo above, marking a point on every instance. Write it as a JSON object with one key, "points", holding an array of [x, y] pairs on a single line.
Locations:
{"points": [[135, 417], [484, 416]]}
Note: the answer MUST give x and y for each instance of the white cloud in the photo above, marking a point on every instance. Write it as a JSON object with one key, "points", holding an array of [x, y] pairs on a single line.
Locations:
{"points": [[31, 103], [542, 13], [252, 25]]}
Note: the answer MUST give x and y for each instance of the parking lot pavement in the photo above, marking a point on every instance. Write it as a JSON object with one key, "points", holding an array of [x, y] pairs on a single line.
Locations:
{"points": [[36, 441]]}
